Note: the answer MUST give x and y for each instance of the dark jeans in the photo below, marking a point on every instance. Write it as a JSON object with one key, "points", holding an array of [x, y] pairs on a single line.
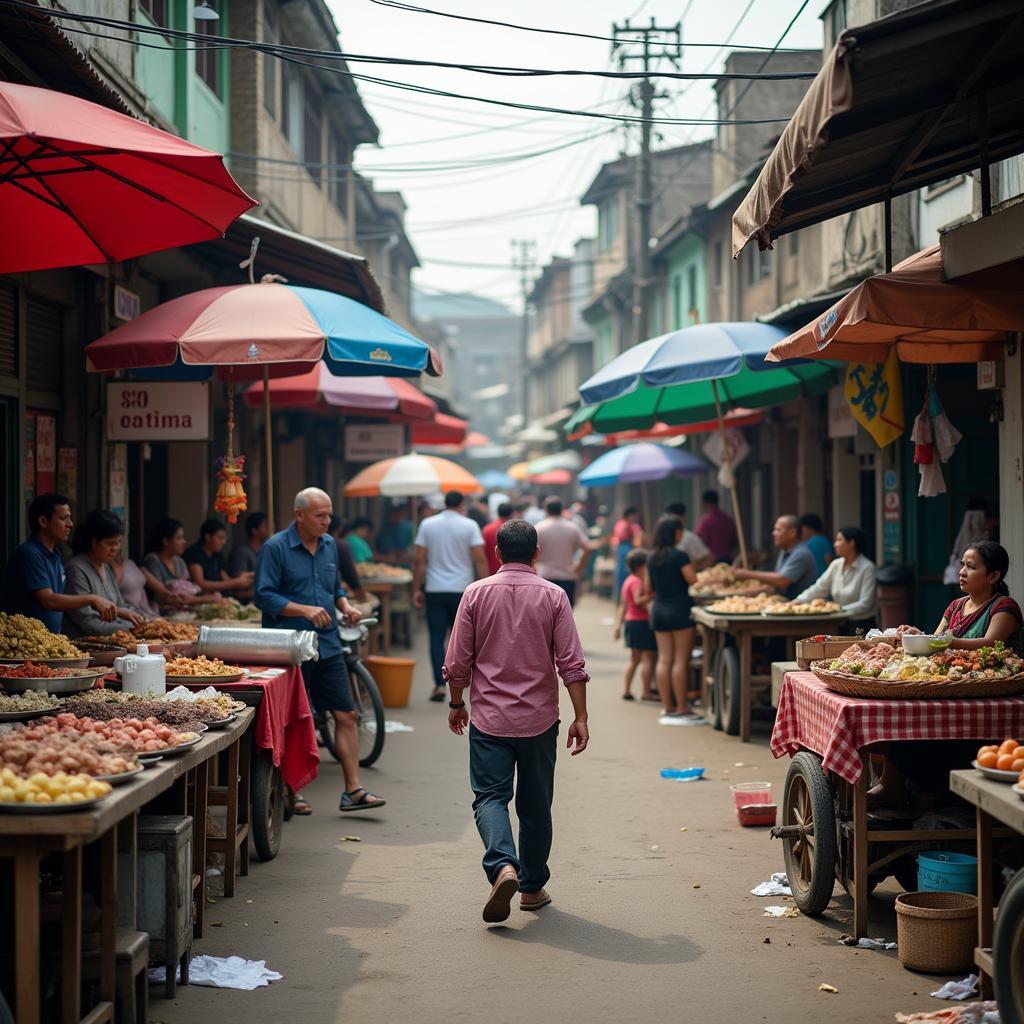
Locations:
{"points": [[441, 608], [569, 586], [493, 763]]}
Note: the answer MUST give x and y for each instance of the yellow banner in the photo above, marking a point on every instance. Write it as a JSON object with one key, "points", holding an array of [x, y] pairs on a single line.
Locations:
{"points": [[875, 396]]}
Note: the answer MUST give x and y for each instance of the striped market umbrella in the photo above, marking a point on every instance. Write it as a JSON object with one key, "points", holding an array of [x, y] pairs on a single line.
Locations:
{"points": [[640, 463], [412, 476]]}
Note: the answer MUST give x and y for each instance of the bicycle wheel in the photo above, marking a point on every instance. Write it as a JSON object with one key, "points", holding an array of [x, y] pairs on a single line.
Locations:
{"points": [[369, 713]]}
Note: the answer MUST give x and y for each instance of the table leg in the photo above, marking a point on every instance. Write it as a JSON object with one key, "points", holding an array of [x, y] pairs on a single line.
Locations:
{"points": [[245, 794], [860, 853], [231, 821], [745, 639], [71, 939], [26, 932], [385, 616], [108, 915], [985, 892], [201, 802]]}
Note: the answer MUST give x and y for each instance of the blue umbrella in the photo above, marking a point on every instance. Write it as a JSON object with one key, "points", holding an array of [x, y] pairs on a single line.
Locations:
{"points": [[638, 463], [495, 480]]}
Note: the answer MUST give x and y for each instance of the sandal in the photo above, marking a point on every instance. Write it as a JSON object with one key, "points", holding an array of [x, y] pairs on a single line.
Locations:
{"points": [[439, 694], [301, 806], [366, 802], [628, 696]]}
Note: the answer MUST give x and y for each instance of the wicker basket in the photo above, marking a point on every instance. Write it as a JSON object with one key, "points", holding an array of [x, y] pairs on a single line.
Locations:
{"points": [[937, 931], [851, 685]]}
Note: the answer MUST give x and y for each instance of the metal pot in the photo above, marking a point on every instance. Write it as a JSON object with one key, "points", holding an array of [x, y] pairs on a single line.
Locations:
{"points": [[259, 646]]}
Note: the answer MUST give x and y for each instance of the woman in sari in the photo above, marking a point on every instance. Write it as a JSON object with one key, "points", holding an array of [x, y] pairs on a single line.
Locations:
{"points": [[987, 613]]}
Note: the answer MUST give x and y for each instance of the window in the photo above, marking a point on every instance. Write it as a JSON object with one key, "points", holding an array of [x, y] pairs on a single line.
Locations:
{"points": [[337, 175], [208, 58], [312, 151], [677, 302], [608, 222], [764, 264], [292, 108], [691, 292], [269, 63], [156, 10], [794, 243], [719, 269], [835, 19]]}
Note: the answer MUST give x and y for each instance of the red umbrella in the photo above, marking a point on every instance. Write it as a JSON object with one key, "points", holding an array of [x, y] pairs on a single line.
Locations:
{"points": [[82, 184], [552, 478], [441, 429]]}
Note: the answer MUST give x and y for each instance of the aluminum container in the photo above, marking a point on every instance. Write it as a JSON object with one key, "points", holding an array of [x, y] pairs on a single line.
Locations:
{"points": [[259, 646]]}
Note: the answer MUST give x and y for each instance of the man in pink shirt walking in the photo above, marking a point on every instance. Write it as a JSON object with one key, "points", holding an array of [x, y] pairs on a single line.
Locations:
{"points": [[514, 634]]}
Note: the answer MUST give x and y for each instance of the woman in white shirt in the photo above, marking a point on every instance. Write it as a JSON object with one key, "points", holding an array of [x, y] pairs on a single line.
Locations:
{"points": [[849, 580]]}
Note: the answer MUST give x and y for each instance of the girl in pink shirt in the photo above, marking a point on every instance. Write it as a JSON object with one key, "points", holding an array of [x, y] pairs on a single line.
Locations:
{"points": [[640, 640]]}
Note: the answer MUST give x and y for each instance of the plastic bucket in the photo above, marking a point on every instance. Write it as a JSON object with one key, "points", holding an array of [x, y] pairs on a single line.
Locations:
{"points": [[746, 793], [393, 677], [947, 872], [937, 931]]}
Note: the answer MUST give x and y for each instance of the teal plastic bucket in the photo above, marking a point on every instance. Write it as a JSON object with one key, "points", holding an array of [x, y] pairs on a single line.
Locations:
{"points": [[947, 872]]}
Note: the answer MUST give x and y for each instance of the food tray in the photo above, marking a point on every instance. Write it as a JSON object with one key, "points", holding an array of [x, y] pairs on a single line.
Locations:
{"points": [[82, 805], [801, 616], [825, 649], [851, 685], [222, 723], [69, 684], [81, 662], [206, 680], [122, 777], [997, 774], [1019, 790], [24, 716], [148, 757], [734, 615], [181, 747], [104, 655]]}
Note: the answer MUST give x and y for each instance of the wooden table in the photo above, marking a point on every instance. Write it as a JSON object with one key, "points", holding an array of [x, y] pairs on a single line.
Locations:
{"points": [[384, 588], [715, 627], [995, 802], [27, 838]]}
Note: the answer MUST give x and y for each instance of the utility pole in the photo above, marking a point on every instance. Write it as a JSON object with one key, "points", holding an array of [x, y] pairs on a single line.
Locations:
{"points": [[524, 259], [648, 45]]}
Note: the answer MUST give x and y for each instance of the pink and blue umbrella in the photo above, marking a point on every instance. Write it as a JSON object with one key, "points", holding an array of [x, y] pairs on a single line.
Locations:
{"points": [[639, 463]]}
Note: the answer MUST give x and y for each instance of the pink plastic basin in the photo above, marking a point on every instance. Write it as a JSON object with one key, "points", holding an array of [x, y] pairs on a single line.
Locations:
{"points": [[746, 793]]}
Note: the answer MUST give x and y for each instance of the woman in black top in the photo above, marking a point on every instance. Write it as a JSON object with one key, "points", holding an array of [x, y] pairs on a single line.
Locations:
{"points": [[671, 575]]}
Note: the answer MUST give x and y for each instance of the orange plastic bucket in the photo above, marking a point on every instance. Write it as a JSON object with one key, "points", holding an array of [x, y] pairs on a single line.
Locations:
{"points": [[393, 677]]}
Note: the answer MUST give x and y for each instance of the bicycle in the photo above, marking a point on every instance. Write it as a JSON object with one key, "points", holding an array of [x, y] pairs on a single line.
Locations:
{"points": [[365, 696]]}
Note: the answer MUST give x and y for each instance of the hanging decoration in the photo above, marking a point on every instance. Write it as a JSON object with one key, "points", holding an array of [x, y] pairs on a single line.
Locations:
{"points": [[935, 439], [231, 498]]}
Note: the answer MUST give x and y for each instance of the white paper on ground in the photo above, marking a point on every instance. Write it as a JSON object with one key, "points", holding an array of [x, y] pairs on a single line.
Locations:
{"points": [[958, 989], [780, 912], [777, 885], [224, 972], [875, 944], [390, 725]]}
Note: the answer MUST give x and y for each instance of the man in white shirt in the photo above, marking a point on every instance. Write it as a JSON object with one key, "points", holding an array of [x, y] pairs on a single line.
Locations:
{"points": [[559, 539], [533, 514], [699, 553], [449, 555]]}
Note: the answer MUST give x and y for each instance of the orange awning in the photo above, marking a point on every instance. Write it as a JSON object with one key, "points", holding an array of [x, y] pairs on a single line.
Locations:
{"points": [[927, 319]]}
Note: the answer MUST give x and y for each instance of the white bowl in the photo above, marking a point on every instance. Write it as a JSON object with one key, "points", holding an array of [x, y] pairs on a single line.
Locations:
{"points": [[925, 644]]}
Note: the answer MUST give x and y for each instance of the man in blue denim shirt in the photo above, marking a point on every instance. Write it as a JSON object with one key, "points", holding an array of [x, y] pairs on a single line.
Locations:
{"points": [[298, 587]]}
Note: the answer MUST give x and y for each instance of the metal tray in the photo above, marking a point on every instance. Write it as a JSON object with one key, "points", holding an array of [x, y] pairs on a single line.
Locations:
{"points": [[802, 616], [82, 805], [181, 747], [997, 774], [24, 716], [222, 723], [81, 662], [149, 757], [122, 777], [207, 680], [69, 684], [1019, 790], [105, 656]]}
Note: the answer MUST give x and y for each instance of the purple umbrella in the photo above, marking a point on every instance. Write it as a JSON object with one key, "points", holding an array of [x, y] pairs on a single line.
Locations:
{"points": [[638, 463]]}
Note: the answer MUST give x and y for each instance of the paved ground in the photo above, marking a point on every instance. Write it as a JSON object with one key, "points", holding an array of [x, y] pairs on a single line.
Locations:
{"points": [[648, 921]]}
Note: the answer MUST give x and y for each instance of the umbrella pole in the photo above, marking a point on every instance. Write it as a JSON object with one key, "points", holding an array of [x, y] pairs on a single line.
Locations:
{"points": [[737, 515], [645, 491], [268, 449]]}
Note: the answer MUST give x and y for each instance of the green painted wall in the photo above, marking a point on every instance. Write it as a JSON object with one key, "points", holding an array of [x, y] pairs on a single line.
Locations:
{"points": [[686, 283]]}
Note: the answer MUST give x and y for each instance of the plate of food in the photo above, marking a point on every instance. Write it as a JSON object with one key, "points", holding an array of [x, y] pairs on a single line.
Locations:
{"points": [[185, 744], [146, 759], [1003, 762], [45, 794], [23, 706], [33, 675], [222, 723], [1019, 790], [817, 608], [100, 653], [744, 605], [120, 778], [202, 670]]}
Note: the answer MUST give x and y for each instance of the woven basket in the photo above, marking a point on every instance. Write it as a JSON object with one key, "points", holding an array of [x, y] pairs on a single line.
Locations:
{"points": [[850, 685], [937, 931]]}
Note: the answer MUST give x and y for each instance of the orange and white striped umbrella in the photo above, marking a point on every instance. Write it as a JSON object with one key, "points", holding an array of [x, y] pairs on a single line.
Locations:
{"points": [[411, 476]]}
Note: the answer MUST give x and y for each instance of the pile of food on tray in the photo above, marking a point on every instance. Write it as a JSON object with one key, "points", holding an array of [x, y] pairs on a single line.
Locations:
{"points": [[142, 735], [228, 609], [720, 579], [59, 788], [1007, 756], [46, 747], [741, 605], [381, 571], [33, 670], [111, 705], [26, 703], [157, 631], [200, 667], [883, 661], [24, 637], [819, 606]]}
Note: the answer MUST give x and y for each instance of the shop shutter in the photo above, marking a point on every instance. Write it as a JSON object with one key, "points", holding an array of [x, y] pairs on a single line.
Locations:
{"points": [[43, 345], [8, 330]]}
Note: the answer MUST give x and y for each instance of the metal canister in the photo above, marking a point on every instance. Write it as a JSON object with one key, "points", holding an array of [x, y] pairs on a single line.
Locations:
{"points": [[259, 646]]}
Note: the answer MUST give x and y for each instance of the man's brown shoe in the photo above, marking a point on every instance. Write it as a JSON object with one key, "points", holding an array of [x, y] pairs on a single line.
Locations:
{"points": [[499, 903], [534, 900]]}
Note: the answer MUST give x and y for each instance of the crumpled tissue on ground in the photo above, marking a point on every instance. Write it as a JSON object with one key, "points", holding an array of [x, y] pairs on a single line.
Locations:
{"points": [[864, 943], [781, 912], [777, 885], [973, 1013], [224, 972], [958, 989]]}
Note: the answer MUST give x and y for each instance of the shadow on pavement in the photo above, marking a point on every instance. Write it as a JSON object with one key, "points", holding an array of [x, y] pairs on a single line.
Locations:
{"points": [[560, 930]]}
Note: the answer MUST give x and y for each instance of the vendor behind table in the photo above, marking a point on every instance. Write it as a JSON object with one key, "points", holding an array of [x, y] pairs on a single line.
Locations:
{"points": [[206, 567], [849, 580], [795, 568]]}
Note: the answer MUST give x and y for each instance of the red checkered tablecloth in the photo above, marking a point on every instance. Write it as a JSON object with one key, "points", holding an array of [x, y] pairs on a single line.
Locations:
{"points": [[812, 717]]}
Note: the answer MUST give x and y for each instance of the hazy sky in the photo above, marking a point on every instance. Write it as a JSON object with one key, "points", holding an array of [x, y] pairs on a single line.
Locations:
{"points": [[471, 214]]}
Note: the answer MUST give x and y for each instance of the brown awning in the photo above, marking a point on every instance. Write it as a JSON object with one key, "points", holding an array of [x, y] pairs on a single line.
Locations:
{"points": [[906, 101], [927, 319]]}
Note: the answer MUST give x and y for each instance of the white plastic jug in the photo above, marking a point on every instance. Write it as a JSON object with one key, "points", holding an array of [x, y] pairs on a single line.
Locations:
{"points": [[142, 673]]}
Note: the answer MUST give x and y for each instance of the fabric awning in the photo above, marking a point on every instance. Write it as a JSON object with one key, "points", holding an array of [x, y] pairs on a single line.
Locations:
{"points": [[927, 319], [439, 429], [899, 104]]}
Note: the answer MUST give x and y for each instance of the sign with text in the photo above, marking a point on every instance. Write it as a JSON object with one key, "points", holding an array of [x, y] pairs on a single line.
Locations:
{"points": [[127, 305], [158, 411], [46, 453], [714, 447], [373, 442]]}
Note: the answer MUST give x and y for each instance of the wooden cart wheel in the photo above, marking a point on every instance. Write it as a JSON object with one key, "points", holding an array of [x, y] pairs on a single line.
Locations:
{"points": [[268, 800], [727, 682], [1008, 953], [713, 712], [810, 853]]}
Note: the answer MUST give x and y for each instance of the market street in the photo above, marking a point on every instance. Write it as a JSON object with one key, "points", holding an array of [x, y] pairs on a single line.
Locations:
{"points": [[389, 928]]}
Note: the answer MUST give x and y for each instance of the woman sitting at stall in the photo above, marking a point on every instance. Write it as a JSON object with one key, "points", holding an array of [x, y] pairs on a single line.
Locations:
{"points": [[97, 543], [165, 570], [849, 580], [357, 535], [132, 581], [985, 616], [206, 566]]}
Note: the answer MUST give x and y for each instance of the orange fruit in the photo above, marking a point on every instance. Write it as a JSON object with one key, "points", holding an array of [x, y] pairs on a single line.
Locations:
{"points": [[988, 759], [1005, 762], [1019, 752], [1007, 746], [994, 748], [1018, 764]]}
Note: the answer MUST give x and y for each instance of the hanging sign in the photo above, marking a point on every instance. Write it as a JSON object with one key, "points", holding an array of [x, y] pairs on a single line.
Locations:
{"points": [[67, 472], [715, 450], [874, 393], [46, 453], [158, 411], [374, 442], [892, 517]]}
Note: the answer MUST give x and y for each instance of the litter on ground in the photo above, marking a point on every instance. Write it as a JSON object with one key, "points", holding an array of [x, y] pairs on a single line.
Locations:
{"points": [[777, 885], [958, 989], [224, 972]]}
